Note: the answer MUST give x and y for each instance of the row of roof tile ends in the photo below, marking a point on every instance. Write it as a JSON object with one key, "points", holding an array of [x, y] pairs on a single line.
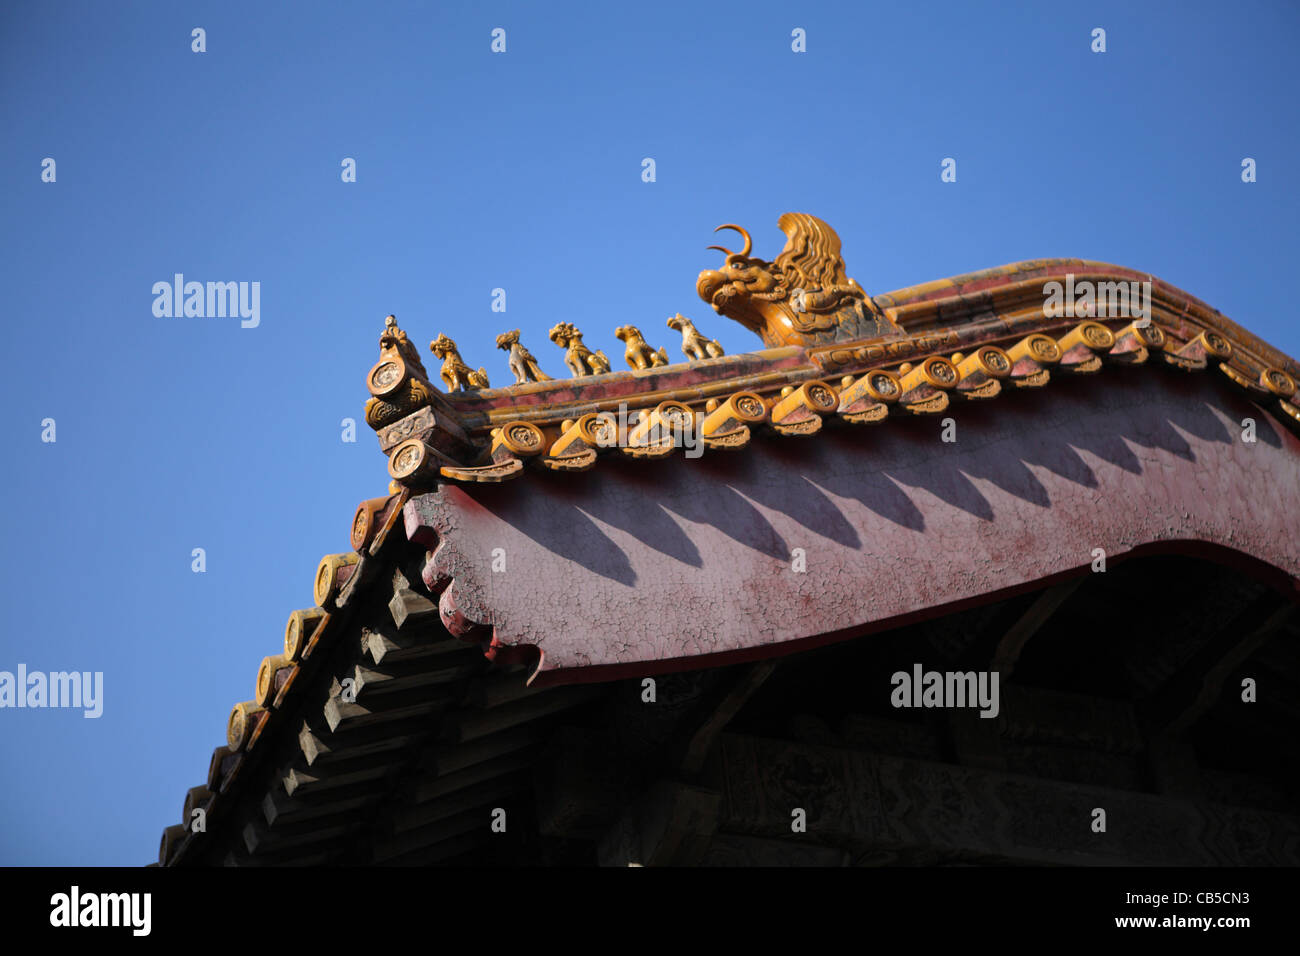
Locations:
{"points": [[399, 387], [306, 633]]}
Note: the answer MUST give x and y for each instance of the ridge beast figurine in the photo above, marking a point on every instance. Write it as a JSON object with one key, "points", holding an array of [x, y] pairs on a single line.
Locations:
{"points": [[455, 373], [580, 359]]}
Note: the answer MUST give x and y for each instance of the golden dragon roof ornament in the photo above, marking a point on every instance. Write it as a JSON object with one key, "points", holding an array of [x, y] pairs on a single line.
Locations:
{"points": [[803, 297]]}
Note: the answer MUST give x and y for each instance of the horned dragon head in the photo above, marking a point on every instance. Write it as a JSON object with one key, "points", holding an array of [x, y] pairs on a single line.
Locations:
{"points": [[803, 297]]}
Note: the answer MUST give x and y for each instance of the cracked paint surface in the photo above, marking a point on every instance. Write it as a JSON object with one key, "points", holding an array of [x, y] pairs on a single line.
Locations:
{"points": [[641, 566]]}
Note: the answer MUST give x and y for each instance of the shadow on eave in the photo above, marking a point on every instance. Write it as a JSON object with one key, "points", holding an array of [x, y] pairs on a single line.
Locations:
{"points": [[645, 498]]}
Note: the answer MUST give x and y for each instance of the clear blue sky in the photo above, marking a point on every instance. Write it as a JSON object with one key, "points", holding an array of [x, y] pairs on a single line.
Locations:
{"points": [[477, 171]]}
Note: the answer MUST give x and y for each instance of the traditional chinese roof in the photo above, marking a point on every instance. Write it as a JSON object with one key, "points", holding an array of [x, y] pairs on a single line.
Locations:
{"points": [[833, 356]]}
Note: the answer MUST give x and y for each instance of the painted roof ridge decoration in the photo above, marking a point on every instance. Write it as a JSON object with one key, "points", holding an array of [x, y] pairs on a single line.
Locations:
{"points": [[833, 354]]}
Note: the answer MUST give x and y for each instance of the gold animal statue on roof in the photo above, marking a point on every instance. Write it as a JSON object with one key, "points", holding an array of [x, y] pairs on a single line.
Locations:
{"points": [[581, 360], [638, 354], [455, 374], [694, 345], [398, 383], [803, 297], [394, 338], [522, 363]]}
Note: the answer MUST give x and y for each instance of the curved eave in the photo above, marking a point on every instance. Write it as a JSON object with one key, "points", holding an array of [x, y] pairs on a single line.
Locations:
{"points": [[791, 545]]}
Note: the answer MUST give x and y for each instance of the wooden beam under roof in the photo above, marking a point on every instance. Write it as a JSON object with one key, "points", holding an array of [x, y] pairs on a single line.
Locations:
{"points": [[1035, 617]]}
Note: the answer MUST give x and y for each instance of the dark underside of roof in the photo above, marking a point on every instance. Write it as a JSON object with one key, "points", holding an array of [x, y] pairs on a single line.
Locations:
{"points": [[1120, 691]]}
